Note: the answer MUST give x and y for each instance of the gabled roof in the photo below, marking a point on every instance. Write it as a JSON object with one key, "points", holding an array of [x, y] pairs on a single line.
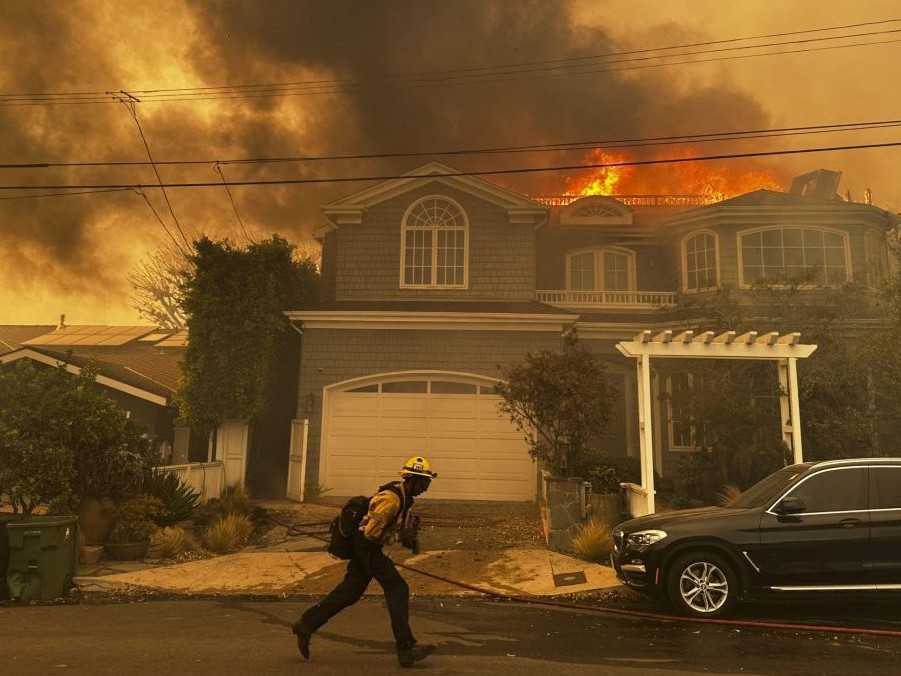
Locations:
{"points": [[13, 335], [112, 375], [349, 209]]}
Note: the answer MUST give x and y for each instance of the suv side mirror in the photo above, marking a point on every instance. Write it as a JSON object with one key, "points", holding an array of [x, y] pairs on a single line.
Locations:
{"points": [[791, 505]]}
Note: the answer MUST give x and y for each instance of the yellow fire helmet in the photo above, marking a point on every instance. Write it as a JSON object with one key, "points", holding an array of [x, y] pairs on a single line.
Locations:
{"points": [[418, 466]]}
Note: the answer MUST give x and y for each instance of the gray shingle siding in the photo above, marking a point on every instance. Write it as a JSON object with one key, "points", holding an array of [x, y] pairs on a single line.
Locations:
{"points": [[334, 355], [501, 254]]}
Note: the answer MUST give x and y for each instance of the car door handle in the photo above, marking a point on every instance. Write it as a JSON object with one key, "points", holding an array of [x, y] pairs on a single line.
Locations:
{"points": [[850, 523]]}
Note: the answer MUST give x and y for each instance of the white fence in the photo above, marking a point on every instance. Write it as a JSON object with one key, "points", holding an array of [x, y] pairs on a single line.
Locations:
{"points": [[206, 478]]}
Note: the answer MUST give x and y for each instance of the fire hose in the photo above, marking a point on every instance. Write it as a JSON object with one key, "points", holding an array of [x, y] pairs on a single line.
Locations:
{"points": [[296, 530]]}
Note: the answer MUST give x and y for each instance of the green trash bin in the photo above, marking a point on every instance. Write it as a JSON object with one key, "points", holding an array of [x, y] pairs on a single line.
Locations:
{"points": [[43, 555]]}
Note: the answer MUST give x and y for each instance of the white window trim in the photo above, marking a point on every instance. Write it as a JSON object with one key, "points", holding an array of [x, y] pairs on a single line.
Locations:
{"points": [[742, 284], [403, 247], [683, 247], [599, 267], [877, 270], [669, 418]]}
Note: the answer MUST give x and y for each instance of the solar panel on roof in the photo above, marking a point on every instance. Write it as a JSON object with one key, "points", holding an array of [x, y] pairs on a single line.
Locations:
{"points": [[92, 335], [180, 339]]}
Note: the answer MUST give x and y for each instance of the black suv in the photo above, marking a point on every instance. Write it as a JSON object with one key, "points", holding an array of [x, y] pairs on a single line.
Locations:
{"points": [[814, 527]]}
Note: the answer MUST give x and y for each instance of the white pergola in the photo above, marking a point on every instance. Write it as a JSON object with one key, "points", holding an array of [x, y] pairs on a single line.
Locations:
{"points": [[785, 350]]}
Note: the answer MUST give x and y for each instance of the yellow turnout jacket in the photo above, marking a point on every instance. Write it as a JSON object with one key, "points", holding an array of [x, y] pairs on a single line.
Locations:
{"points": [[385, 517]]}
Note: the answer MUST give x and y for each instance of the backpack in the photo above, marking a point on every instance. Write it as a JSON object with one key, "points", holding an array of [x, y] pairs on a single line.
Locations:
{"points": [[347, 523]]}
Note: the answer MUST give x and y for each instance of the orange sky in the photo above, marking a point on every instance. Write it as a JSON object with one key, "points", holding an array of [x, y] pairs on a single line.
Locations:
{"points": [[72, 255]]}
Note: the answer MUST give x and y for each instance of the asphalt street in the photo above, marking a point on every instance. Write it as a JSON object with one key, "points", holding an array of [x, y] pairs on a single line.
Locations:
{"points": [[475, 637]]}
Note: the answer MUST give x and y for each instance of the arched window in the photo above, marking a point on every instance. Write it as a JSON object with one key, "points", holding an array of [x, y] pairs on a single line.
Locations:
{"points": [[434, 244], [609, 269], [700, 262], [794, 255]]}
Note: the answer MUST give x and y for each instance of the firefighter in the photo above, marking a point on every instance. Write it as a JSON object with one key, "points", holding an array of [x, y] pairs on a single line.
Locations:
{"points": [[387, 518]]}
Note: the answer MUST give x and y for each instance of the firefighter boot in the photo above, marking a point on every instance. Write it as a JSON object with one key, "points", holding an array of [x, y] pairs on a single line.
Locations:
{"points": [[303, 641], [410, 656]]}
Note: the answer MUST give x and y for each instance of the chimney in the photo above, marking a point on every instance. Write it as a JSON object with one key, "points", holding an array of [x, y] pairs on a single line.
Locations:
{"points": [[62, 322], [868, 196]]}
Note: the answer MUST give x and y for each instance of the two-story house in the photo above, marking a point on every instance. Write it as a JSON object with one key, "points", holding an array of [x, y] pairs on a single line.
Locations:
{"points": [[432, 283]]}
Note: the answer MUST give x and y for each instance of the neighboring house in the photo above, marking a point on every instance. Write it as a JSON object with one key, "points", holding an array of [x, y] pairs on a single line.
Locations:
{"points": [[137, 367], [13, 335], [431, 283]]}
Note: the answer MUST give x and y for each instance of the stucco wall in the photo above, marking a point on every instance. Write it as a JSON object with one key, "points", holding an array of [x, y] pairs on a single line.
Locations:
{"points": [[501, 254]]}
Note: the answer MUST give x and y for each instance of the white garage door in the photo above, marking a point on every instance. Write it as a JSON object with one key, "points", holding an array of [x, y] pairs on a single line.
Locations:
{"points": [[372, 428]]}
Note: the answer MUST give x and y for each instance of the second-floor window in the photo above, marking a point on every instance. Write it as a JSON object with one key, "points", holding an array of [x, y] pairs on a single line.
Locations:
{"points": [[601, 270], [434, 244], [794, 255], [700, 262]]}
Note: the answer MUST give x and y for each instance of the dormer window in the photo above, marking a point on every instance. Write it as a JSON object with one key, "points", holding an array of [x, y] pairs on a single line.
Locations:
{"points": [[700, 262], [607, 269], [794, 255], [434, 244]]}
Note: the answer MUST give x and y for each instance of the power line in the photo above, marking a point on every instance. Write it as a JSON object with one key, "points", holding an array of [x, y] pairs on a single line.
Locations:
{"points": [[337, 86], [130, 107], [562, 146], [234, 206], [483, 172], [64, 194]]}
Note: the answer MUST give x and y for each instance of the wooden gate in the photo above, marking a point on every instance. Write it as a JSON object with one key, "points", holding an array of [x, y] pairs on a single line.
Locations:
{"points": [[231, 450]]}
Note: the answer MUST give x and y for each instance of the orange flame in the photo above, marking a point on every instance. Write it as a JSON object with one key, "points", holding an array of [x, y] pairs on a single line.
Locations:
{"points": [[714, 180]]}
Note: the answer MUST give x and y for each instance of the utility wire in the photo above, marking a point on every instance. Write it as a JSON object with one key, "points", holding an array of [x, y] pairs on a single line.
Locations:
{"points": [[476, 69], [562, 146], [452, 174], [64, 194], [159, 219], [338, 86], [130, 106], [232, 200]]}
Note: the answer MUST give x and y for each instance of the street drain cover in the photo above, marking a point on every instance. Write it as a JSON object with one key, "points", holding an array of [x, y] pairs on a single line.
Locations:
{"points": [[568, 579]]}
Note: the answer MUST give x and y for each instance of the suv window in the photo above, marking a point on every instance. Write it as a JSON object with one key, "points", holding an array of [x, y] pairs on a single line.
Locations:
{"points": [[835, 490], [885, 487]]}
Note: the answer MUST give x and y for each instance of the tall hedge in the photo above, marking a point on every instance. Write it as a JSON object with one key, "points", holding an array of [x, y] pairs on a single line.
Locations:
{"points": [[235, 300]]}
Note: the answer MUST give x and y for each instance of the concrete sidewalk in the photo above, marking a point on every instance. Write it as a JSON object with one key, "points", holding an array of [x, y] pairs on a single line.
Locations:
{"points": [[524, 571]]}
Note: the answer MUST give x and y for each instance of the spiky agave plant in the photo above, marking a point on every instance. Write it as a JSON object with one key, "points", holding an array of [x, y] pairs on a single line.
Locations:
{"points": [[178, 498]]}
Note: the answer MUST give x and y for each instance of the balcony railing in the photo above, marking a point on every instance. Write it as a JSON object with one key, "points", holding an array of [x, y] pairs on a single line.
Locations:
{"points": [[636, 200], [626, 300]]}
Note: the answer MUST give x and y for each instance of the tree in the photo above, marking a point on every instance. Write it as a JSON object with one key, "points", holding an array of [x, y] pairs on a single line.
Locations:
{"points": [[157, 285], [235, 300], [62, 440], [562, 403], [848, 389]]}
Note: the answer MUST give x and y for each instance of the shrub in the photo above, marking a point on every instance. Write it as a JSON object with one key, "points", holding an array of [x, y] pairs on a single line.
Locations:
{"points": [[170, 542], [606, 472], [135, 520], [315, 491], [63, 440], [178, 499], [592, 541], [229, 533], [234, 500]]}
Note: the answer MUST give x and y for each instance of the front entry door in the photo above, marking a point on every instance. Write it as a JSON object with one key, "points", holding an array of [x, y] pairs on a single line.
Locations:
{"points": [[827, 543], [885, 530]]}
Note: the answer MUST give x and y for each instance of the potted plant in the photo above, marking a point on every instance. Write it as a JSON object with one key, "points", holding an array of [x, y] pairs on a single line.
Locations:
{"points": [[129, 539]]}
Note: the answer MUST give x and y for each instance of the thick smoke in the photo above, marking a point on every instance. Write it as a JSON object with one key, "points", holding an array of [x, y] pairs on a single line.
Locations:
{"points": [[86, 245]]}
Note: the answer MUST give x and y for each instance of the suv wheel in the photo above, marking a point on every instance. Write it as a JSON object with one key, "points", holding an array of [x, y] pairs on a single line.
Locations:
{"points": [[702, 584]]}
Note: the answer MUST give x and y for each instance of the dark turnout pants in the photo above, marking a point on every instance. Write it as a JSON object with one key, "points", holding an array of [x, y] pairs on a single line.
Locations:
{"points": [[368, 562]]}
